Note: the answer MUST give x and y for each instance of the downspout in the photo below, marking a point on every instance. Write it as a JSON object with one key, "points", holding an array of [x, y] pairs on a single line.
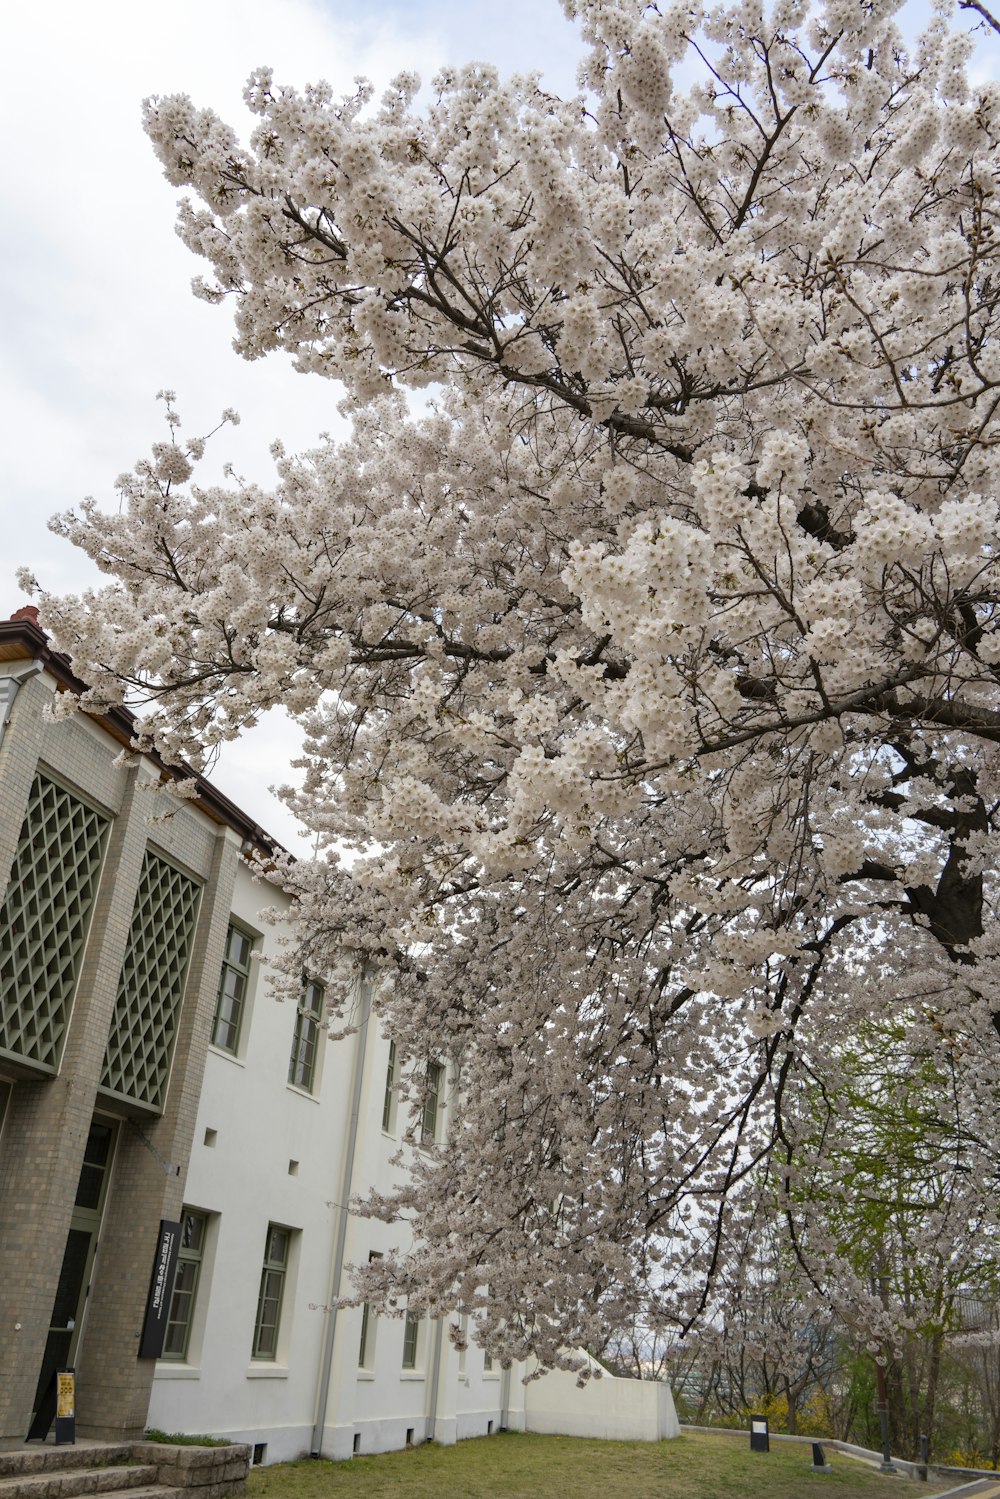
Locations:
{"points": [[346, 1186], [9, 686], [432, 1397]]}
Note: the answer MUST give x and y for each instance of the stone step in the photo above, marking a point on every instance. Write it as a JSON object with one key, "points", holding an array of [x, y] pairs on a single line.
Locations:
{"points": [[149, 1491], [70, 1482], [50, 1459]]}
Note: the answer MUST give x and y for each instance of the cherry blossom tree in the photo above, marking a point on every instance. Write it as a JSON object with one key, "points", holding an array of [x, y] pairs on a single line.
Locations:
{"points": [[648, 654]]}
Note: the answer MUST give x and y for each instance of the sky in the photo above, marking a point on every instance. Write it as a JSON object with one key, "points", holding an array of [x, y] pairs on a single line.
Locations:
{"points": [[97, 310]]}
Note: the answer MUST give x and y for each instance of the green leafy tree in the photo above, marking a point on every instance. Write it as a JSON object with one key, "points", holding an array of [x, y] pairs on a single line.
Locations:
{"points": [[895, 1206]]}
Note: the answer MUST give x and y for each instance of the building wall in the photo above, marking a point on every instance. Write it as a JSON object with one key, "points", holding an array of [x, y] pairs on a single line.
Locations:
{"points": [[228, 1138], [275, 1154], [51, 1103], [630, 1410]]}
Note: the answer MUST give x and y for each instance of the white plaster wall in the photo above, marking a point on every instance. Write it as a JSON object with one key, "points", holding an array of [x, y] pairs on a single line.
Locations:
{"points": [[382, 1404], [627, 1410], [242, 1181]]}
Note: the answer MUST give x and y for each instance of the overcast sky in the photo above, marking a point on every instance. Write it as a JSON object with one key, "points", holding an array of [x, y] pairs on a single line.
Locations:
{"points": [[98, 315]]}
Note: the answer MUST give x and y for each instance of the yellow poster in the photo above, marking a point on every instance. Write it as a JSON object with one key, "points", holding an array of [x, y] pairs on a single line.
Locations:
{"points": [[65, 1395]]}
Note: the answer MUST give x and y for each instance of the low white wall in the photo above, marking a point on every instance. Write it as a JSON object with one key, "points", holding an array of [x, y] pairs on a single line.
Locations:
{"points": [[620, 1410]]}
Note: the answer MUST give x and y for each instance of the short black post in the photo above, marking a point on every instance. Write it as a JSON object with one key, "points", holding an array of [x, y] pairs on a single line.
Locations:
{"points": [[820, 1464], [882, 1405], [759, 1434], [924, 1445]]}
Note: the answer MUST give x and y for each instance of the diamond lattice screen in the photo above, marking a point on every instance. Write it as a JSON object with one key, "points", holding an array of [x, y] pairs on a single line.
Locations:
{"points": [[141, 1040], [43, 922]]}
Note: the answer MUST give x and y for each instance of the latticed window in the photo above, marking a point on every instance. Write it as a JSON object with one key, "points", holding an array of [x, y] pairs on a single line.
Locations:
{"points": [[432, 1102], [186, 1277], [389, 1102], [233, 981], [43, 922], [141, 1040], [272, 1291], [302, 1067]]}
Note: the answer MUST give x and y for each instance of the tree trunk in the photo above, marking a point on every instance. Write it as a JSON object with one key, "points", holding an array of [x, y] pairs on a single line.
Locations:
{"points": [[933, 1373], [793, 1415]]}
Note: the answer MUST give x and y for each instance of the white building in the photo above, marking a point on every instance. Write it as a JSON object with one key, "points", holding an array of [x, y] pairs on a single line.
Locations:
{"points": [[149, 1078], [256, 1350]]}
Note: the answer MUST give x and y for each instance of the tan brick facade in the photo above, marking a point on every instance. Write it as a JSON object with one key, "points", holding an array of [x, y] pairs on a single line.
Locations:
{"points": [[45, 1128]]}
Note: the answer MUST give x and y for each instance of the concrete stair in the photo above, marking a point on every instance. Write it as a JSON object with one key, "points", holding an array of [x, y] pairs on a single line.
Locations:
{"points": [[72, 1472], [126, 1470], [75, 1483]]}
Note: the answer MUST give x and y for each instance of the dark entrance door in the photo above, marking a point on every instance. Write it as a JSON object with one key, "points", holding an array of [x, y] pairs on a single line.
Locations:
{"points": [[74, 1277]]}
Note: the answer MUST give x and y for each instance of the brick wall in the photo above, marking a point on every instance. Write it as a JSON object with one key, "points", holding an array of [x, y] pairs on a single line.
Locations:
{"points": [[47, 1120]]}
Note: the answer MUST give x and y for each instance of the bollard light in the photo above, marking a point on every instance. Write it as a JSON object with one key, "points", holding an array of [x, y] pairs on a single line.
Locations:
{"points": [[820, 1464]]}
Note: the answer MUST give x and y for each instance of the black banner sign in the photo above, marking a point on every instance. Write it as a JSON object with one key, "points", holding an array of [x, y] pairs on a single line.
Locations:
{"points": [[161, 1285], [759, 1434]]}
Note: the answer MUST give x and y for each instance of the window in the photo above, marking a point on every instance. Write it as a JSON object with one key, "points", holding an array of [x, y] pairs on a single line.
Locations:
{"points": [[389, 1103], [411, 1340], [487, 1363], [366, 1352], [272, 1289], [44, 920], [151, 985], [463, 1333], [302, 1067], [233, 981], [189, 1259], [432, 1102]]}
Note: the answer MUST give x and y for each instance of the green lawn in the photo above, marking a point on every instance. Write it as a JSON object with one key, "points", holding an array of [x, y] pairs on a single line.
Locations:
{"points": [[515, 1466]]}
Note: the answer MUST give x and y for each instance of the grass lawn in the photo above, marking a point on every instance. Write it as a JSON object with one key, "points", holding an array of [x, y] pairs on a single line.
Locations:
{"points": [[518, 1466]]}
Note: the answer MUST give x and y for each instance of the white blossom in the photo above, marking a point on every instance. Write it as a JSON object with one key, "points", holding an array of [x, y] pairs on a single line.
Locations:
{"points": [[650, 676]]}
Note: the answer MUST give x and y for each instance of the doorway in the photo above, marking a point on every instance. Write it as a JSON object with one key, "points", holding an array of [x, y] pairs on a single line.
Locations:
{"points": [[77, 1268]]}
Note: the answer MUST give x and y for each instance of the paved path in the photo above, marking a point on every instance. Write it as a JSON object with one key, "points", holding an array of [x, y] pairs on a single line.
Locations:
{"points": [[979, 1488]]}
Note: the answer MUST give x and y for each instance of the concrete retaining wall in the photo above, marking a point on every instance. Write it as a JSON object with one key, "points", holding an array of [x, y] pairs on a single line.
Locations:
{"points": [[621, 1410], [207, 1472]]}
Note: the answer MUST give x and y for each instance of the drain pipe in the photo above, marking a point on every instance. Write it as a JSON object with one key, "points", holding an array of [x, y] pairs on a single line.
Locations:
{"points": [[337, 1271], [9, 686], [435, 1383], [432, 1398]]}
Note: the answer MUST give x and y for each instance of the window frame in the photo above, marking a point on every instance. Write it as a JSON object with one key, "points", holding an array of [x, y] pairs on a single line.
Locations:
{"points": [[463, 1329], [194, 1257], [366, 1346], [430, 1113], [274, 1271], [244, 972], [412, 1324], [389, 1099], [303, 1069]]}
